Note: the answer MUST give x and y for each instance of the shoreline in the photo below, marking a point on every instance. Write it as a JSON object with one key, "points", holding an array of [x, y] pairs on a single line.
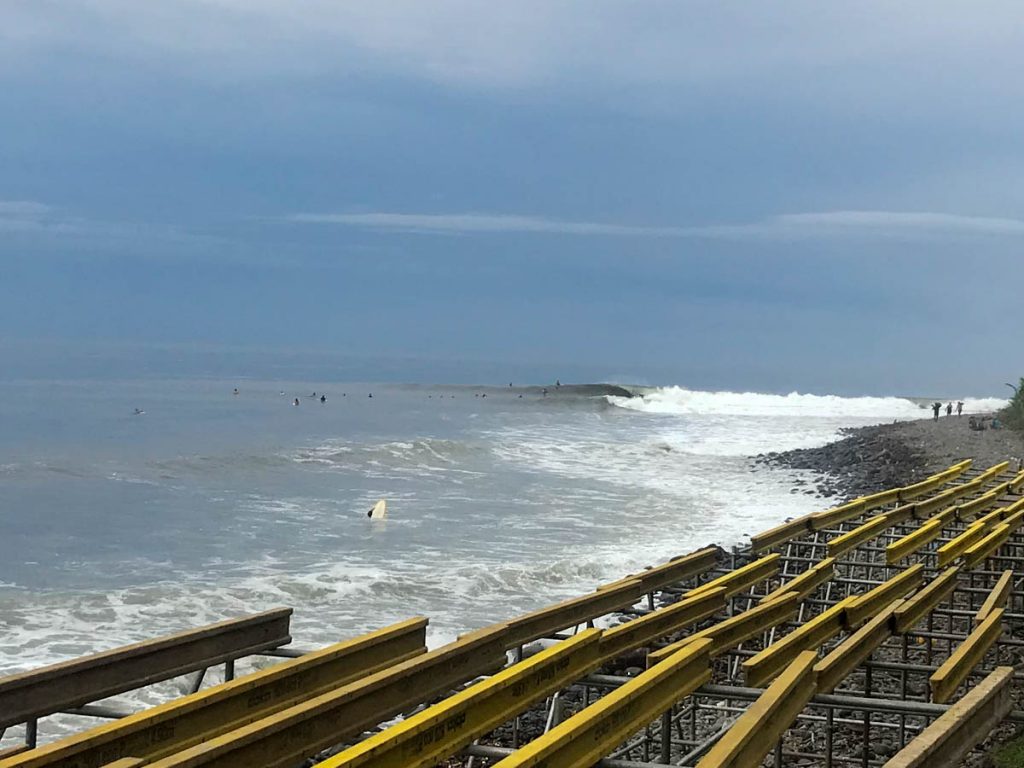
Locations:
{"points": [[870, 459]]}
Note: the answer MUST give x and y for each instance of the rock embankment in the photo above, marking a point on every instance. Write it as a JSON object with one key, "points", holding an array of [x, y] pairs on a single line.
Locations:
{"points": [[867, 460], [870, 459]]}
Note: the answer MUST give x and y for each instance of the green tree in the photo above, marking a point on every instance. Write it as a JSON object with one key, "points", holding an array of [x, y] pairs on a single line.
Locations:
{"points": [[1013, 414]]}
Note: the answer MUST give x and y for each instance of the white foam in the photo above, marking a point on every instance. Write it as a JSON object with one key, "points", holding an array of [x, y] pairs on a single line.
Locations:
{"points": [[677, 400], [984, 404], [682, 401]]}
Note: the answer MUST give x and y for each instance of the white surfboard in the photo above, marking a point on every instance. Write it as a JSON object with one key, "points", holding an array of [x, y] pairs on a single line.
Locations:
{"points": [[379, 511]]}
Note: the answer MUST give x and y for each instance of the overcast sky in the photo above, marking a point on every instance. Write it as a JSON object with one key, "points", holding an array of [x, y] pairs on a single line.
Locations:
{"points": [[790, 195]]}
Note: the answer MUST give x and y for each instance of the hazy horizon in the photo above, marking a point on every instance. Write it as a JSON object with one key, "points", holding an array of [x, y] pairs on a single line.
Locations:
{"points": [[63, 361]]}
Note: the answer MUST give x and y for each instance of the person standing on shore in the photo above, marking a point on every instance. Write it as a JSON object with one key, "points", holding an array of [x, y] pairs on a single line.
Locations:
{"points": [[949, 408], [959, 408], [935, 410]]}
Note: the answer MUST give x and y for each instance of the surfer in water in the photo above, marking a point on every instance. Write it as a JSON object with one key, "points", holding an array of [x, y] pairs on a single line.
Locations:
{"points": [[323, 398], [296, 401]]}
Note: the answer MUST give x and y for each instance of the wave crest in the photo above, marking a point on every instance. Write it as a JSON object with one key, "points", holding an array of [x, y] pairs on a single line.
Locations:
{"points": [[681, 401]]}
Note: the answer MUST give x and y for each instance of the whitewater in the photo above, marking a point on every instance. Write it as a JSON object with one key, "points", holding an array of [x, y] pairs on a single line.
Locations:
{"points": [[116, 527]]}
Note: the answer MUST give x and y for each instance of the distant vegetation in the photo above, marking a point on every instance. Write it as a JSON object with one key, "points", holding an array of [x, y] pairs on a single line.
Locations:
{"points": [[1013, 414]]}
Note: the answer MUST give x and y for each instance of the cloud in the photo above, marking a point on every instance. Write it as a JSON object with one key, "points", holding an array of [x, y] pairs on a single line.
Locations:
{"points": [[891, 224], [898, 222], [22, 209], [23, 216], [27, 222], [598, 44], [470, 223]]}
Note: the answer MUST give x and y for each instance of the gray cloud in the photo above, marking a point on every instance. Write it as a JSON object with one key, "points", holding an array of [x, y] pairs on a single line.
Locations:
{"points": [[31, 222], [22, 209], [468, 223], [798, 225], [534, 43]]}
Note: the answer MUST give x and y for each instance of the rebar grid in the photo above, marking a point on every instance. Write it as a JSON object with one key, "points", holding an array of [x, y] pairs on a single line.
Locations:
{"points": [[884, 703]]}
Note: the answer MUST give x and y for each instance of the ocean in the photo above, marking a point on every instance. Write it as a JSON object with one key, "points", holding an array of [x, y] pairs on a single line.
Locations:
{"points": [[116, 526]]}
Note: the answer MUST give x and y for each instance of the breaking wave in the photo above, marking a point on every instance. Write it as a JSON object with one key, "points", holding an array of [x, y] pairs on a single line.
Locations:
{"points": [[678, 400]]}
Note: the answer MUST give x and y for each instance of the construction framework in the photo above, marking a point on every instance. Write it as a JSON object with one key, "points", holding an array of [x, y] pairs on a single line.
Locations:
{"points": [[882, 632]]}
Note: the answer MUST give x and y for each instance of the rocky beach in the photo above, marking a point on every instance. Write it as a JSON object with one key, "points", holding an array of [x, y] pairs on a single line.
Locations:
{"points": [[870, 459]]}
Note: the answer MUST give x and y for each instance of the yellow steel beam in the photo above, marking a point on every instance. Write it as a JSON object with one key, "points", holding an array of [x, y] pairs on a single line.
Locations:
{"points": [[990, 519], [963, 726], [948, 515], [740, 628], [1002, 513], [817, 521], [994, 471], [918, 489], [840, 514], [955, 547], [850, 653], [37, 692], [780, 534], [288, 737], [869, 530], [675, 570], [913, 541], [881, 498], [908, 492], [954, 670], [758, 729], [766, 664], [980, 541], [742, 578], [943, 498], [586, 737], [976, 554], [1015, 520], [847, 541], [921, 604], [569, 613], [440, 731], [655, 625], [996, 598], [874, 600], [925, 507], [170, 727], [804, 584], [17, 749], [971, 508]]}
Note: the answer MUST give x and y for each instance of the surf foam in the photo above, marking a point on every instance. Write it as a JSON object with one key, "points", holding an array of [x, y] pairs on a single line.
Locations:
{"points": [[682, 401]]}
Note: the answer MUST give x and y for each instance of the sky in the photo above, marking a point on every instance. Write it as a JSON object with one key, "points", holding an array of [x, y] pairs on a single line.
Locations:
{"points": [[809, 196]]}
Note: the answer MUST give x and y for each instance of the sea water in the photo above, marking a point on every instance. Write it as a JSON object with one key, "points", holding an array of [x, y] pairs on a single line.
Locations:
{"points": [[117, 526]]}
